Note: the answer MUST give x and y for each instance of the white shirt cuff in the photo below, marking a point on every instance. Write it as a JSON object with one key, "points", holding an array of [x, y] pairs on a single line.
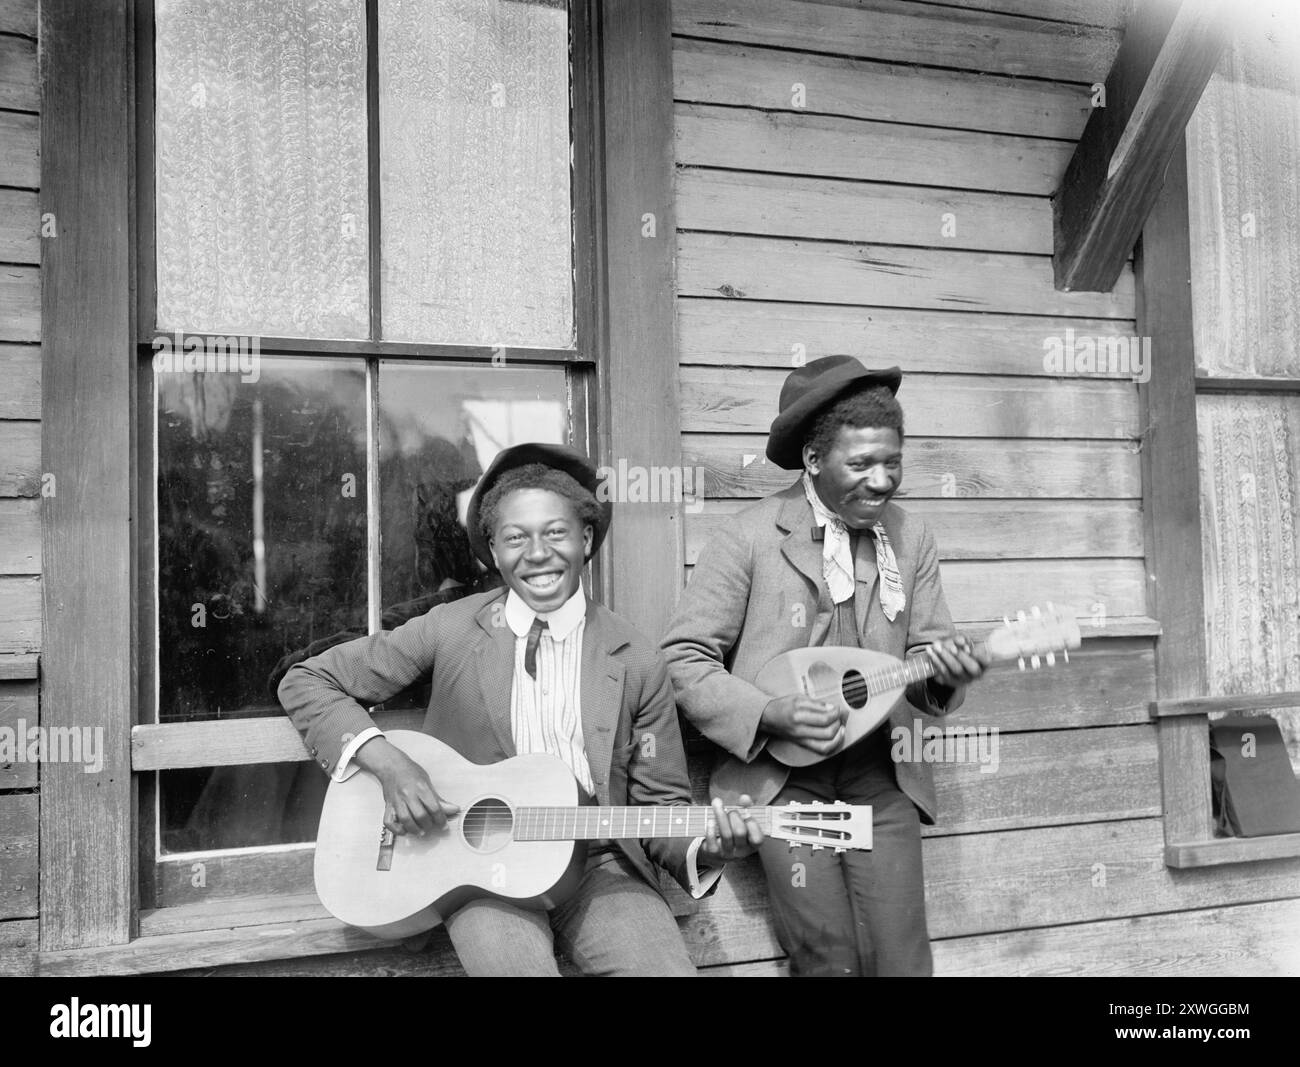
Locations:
{"points": [[344, 768], [699, 885]]}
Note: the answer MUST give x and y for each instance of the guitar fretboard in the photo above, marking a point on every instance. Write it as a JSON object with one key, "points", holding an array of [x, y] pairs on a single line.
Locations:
{"points": [[592, 823]]}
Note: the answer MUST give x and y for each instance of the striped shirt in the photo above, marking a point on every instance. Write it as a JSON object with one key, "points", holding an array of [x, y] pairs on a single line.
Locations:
{"points": [[546, 711]]}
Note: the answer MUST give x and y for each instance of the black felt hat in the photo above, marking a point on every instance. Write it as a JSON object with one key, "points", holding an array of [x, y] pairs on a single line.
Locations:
{"points": [[808, 390], [559, 457]]}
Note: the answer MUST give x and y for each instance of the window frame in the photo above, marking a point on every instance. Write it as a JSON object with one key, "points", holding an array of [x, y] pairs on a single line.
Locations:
{"points": [[98, 159]]}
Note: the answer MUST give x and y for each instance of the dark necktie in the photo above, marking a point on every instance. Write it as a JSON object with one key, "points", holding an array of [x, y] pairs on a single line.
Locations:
{"points": [[530, 649]]}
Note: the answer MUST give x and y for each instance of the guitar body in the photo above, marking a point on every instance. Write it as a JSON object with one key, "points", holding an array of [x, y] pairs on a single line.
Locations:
{"points": [[399, 886], [835, 675]]}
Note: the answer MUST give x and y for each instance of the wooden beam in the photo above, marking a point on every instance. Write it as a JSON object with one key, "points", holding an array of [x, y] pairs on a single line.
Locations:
{"points": [[1168, 54], [1209, 705], [1171, 503], [87, 671], [639, 424]]}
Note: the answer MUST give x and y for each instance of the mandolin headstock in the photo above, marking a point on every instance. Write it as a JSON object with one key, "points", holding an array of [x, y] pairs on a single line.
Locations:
{"points": [[1041, 633], [837, 825]]}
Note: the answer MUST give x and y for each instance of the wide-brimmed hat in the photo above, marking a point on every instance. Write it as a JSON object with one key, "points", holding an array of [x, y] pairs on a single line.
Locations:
{"points": [[808, 390], [559, 457]]}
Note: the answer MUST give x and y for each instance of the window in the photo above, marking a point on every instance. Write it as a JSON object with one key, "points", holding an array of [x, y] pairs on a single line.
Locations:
{"points": [[365, 237]]}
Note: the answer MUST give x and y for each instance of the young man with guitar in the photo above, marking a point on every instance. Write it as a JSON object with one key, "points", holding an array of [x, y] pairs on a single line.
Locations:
{"points": [[536, 667], [829, 561]]}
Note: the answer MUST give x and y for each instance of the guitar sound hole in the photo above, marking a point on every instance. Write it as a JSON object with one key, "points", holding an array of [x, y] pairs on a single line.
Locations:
{"points": [[488, 824], [854, 688]]}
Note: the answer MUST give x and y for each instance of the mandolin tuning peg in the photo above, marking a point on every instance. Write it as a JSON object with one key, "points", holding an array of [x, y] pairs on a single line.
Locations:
{"points": [[1036, 611], [1034, 661], [1065, 652], [1021, 663], [1006, 620], [1051, 659]]}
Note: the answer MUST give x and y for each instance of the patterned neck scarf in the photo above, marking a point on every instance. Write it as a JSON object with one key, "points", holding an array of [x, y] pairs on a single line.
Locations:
{"points": [[837, 557]]}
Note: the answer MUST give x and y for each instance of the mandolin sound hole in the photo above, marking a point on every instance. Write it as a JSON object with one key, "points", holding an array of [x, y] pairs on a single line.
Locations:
{"points": [[854, 688], [488, 824]]}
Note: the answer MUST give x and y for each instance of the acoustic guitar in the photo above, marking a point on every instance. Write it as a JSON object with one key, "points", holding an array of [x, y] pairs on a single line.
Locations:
{"points": [[867, 685], [519, 836]]}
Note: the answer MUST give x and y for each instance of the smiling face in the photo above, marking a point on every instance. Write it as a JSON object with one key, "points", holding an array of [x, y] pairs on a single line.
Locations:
{"points": [[540, 546], [858, 474]]}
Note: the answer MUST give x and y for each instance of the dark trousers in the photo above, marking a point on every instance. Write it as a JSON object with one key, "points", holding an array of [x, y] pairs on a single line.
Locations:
{"points": [[860, 913]]}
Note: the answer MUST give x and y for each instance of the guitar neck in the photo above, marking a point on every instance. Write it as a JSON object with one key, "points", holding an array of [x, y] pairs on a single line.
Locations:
{"points": [[593, 823]]}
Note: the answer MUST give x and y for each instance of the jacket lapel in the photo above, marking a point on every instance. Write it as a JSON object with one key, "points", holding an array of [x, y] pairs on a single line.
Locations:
{"points": [[602, 698], [496, 672], [803, 553]]}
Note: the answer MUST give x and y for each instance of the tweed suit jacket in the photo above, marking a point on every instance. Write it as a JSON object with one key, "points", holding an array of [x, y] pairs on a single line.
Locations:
{"points": [[469, 651], [757, 591]]}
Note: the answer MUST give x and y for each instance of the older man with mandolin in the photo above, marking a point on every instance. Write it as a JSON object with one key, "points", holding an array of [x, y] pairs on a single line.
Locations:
{"points": [[828, 561]]}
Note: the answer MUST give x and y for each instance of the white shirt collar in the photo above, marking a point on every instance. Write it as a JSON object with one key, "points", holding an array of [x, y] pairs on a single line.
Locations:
{"points": [[561, 622]]}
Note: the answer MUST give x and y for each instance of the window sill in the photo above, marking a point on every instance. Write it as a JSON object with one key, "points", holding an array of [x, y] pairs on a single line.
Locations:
{"points": [[1220, 850]]}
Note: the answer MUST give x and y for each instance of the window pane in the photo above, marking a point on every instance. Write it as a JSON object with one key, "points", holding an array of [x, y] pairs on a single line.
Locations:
{"points": [[440, 427], [260, 133], [205, 808], [474, 136], [1250, 533], [261, 527]]}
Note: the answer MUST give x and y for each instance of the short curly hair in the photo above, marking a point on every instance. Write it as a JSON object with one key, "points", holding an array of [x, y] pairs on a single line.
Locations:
{"points": [[537, 476], [874, 407]]}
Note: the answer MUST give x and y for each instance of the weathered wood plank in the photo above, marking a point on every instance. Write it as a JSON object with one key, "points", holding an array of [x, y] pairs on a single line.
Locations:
{"points": [[978, 590], [18, 872], [18, 949], [19, 226], [19, 162], [1107, 13], [19, 668], [776, 205], [20, 370], [869, 151], [20, 615], [1169, 52], [221, 876], [20, 303], [732, 400], [765, 268], [908, 33], [709, 72], [1218, 705], [646, 538], [18, 16], [735, 466], [20, 458], [759, 334], [1251, 940], [987, 529], [20, 536], [18, 714], [1222, 850], [1244, 212], [18, 90], [88, 841]]}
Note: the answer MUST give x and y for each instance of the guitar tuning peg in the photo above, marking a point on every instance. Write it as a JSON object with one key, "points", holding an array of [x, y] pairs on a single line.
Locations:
{"points": [[817, 804], [794, 845], [840, 851], [817, 848], [1051, 659]]}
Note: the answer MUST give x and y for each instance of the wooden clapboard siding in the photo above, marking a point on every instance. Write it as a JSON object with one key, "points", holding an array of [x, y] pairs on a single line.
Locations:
{"points": [[20, 536], [908, 33], [20, 615], [762, 268], [20, 370], [19, 224], [20, 303], [1251, 940], [18, 162], [779, 335], [734, 466], [18, 711], [18, 91], [17, 856], [18, 941], [710, 72], [779, 205], [987, 529], [18, 16], [1105, 13], [735, 400], [20, 447], [830, 147]]}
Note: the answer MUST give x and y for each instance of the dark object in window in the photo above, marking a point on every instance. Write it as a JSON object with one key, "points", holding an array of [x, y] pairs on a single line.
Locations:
{"points": [[1255, 791]]}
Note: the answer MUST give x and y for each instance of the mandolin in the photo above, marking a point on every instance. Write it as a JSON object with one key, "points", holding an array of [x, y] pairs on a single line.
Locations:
{"points": [[519, 836], [866, 685]]}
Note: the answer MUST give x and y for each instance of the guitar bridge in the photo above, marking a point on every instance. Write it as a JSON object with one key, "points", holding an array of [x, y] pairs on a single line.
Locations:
{"points": [[387, 842]]}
